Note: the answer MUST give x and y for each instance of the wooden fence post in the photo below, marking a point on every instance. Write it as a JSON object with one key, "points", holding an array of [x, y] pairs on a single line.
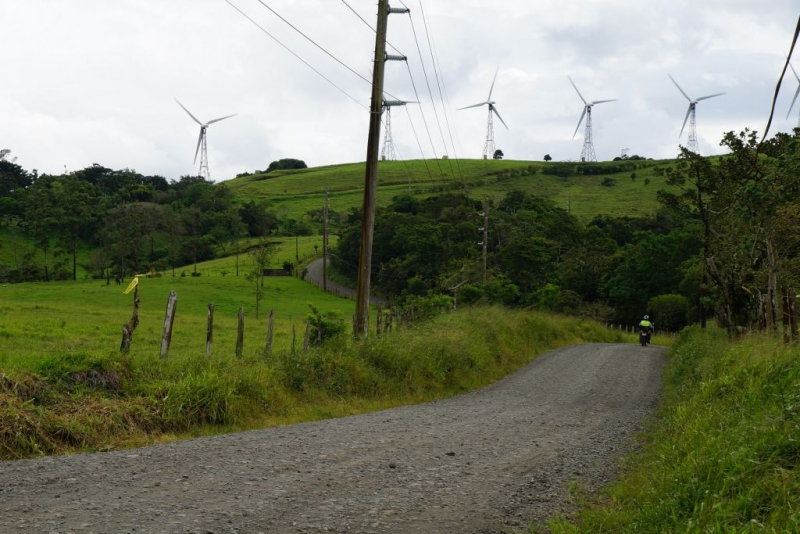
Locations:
{"points": [[787, 326], [793, 314], [379, 321], [307, 336], [210, 330], [127, 329], [169, 321], [240, 334], [270, 327]]}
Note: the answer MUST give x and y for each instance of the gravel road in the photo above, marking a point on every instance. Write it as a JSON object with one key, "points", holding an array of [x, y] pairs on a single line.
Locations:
{"points": [[481, 462]]}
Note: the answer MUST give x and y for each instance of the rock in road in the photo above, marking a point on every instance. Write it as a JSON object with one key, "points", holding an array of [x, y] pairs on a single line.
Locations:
{"points": [[482, 462]]}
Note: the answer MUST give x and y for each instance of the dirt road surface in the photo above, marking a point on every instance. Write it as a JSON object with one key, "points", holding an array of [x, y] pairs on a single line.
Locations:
{"points": [[481, 462]]}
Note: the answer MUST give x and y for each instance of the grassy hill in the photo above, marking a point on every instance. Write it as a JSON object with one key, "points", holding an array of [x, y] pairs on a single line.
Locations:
{"points": [[587, 190]]}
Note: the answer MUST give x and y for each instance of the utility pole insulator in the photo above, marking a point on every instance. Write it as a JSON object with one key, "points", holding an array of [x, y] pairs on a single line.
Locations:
{"points": [[399, 10], [393, 103], [394, 57]]}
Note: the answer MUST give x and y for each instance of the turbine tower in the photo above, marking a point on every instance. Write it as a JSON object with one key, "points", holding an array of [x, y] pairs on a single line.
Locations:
{"points": [[488, 146], [795, 96], [691, 144], [388, 151], [202, 148], [587, 154]]}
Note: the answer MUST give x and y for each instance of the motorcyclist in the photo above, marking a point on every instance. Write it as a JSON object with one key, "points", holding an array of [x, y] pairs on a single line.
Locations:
{"points": [[646, 324]]}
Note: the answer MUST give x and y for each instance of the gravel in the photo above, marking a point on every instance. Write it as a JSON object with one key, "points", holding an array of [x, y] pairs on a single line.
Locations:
{"points": [[483, 462]]}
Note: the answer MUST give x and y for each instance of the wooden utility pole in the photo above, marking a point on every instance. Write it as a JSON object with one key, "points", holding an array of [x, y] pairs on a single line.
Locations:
{"points": [[325, 244], [361, 325]]}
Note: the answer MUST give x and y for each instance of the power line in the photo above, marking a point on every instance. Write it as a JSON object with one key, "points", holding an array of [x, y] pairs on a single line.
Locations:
{"points": [[309, 39], [292, 26], [295, 55], [369, 25], [430, 92], [439, 85]]}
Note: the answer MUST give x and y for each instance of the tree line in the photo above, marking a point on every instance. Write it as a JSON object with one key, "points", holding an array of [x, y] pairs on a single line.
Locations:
{"points": [[129, 222], [723, 244]]}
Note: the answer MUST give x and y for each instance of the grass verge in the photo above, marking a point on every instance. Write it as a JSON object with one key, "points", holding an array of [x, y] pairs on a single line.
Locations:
{"points": [[723, 455], [91, 400]]}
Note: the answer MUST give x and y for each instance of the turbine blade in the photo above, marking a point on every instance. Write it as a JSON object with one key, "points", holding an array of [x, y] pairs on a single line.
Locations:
{"points": [[603, 101], [579, 93], [679, 87], [492, 87], [793, 101], [580, 121], [190, 114], [795, 73], [494, 108], [221, 119], [199, 140], [709, 96], [473, 106], [688, 111]]}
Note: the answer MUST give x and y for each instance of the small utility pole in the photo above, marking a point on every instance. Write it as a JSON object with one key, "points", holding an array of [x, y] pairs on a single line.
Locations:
{"points": [[325, 244], [361, 324]]}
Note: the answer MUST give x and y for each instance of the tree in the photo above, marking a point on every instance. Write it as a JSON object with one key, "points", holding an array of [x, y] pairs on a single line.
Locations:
{"points": [[547, 157], [287, 163], [498, 154], [262, 255]]}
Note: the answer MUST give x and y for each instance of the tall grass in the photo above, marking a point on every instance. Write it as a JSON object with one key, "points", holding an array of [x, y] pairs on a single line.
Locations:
{"points": [[92, 400], [723, 455]]}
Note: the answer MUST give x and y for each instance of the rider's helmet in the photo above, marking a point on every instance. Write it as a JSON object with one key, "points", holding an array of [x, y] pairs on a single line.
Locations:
{"points": [[646, 317]]}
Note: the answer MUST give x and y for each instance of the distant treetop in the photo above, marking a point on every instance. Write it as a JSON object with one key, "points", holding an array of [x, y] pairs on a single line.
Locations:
{"points": [[287, 163]]}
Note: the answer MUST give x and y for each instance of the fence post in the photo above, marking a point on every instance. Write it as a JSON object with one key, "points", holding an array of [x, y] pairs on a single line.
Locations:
{"points": [[169, 321], [210, 329], [294, 335], [240, 334], [270, 327], [787, 327], [127, 329], [379, 321], [793, 314], [307, 336]]}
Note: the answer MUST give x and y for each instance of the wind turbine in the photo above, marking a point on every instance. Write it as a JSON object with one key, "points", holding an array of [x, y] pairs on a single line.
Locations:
{"points": [[692, 142], [587, 154], [488, 146], [795, 96], [201, 141]]}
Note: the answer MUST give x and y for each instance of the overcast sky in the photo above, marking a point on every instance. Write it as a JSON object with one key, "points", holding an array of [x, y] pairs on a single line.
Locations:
{"points": [[94, 81]]}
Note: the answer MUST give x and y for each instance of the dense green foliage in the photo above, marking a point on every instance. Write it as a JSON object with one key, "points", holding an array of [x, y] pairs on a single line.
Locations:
{"points": [[130, 223], [537, 254], [724, 454]]}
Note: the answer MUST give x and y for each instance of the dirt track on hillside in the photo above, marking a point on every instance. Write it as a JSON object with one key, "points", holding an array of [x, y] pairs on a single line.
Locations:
{"points": [[476, 463]]}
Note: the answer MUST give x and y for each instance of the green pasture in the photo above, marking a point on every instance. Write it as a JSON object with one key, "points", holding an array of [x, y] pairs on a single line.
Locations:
{"points": [[293, 193]]}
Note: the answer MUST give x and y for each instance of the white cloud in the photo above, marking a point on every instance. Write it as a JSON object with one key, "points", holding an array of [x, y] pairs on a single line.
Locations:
{"points": [[92, 81]]}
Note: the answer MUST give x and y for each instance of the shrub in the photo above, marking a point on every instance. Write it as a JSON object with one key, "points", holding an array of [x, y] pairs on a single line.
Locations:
{"points": [[670, 311]]}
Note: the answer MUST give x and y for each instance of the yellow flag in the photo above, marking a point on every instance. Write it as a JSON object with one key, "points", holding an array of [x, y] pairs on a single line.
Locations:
{"points": [[134, 283]]}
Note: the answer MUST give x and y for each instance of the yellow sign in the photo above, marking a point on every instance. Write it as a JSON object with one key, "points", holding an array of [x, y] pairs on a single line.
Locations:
{"points": [[134, 283]]}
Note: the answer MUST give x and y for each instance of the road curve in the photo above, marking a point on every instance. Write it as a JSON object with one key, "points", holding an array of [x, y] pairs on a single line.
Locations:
{"points": [[314, 275], [479, 462]]}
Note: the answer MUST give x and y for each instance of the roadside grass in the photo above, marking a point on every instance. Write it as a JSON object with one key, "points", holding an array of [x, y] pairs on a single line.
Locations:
{"points": [[68, 389], [723, 454]]}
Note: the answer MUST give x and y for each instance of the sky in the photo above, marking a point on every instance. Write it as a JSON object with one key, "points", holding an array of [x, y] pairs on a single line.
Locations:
{"points": [[95, 81]]}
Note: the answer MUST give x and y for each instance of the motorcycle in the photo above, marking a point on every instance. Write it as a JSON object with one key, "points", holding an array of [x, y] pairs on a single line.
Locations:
{"points": [[644, 336]]}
